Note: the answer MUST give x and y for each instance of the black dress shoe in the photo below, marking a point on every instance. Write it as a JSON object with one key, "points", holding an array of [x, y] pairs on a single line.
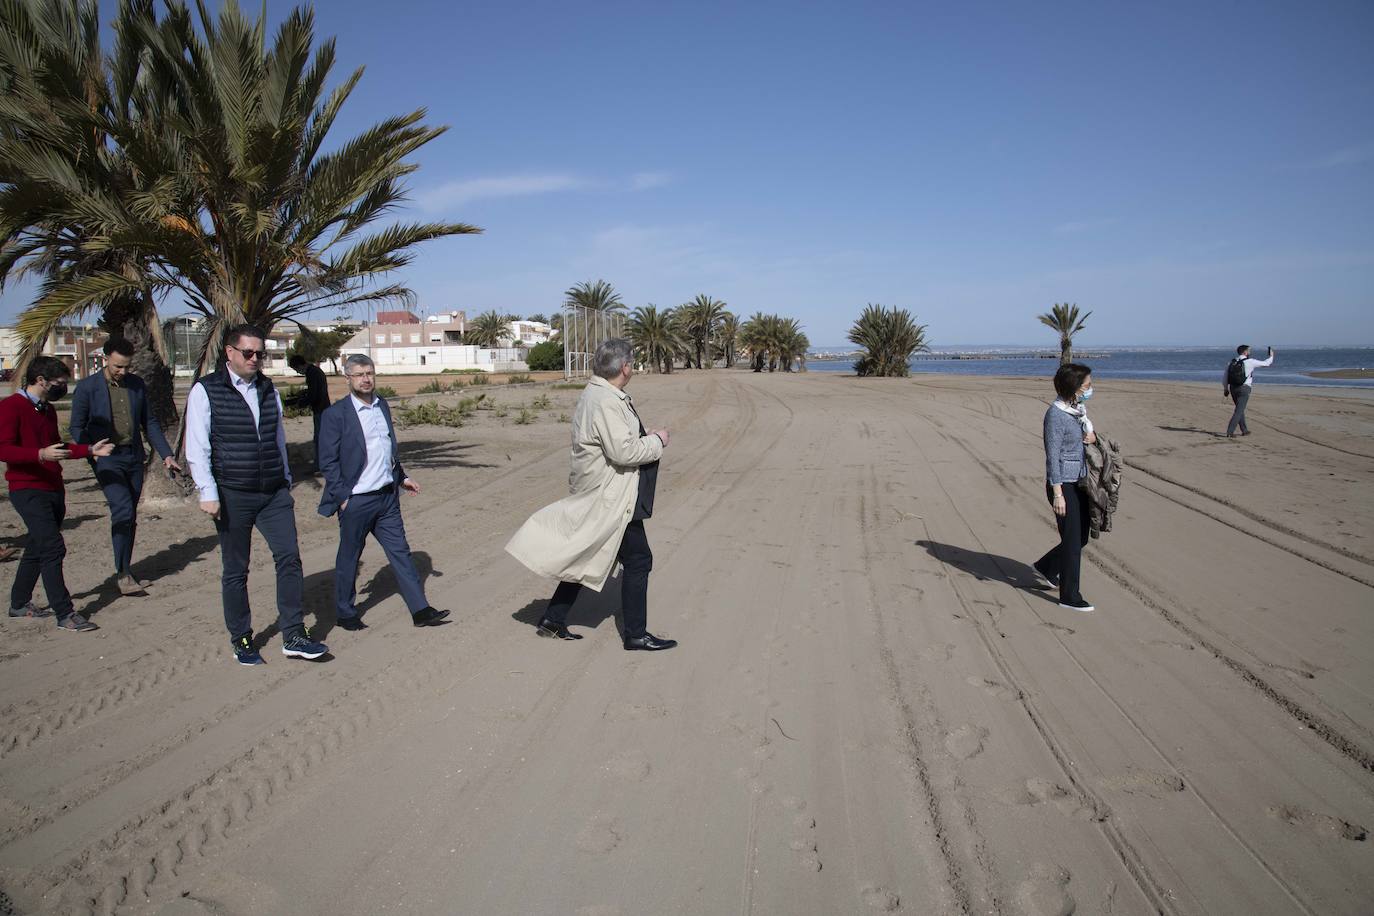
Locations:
{"points": [[350, 623], [550, 630], [649, 643], [428, 617]]}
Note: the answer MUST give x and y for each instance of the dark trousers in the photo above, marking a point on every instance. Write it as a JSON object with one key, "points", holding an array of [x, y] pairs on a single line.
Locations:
{"points": [[1065, 557], [274, 515], [1241, 396], [315, 451], [377, 514], [43, 512], [638, 560], [120, 476]]}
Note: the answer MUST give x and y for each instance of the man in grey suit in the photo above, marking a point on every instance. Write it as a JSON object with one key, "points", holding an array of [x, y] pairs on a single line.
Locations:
{"points": [[113, 404], [363, 478]]}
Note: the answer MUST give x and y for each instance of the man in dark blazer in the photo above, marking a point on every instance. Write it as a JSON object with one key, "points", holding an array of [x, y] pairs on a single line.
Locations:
{"points": [[113, 404], [363, 479]]}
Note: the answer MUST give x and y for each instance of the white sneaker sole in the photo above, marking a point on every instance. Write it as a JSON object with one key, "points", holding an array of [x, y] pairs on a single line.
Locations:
{"points": [[294, 653], [1074, 607]]}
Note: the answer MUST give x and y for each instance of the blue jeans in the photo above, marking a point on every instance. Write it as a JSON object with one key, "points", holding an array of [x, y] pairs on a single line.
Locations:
{"points": [[377, 514], [120, 476], [273, 514]]}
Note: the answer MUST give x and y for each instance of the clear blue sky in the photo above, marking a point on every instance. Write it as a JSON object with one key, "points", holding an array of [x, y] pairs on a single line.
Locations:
{"points": [[1194, 173]]}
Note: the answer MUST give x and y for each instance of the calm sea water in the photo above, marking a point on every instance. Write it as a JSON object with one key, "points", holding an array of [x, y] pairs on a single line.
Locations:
{"points": [[1192, 365]]}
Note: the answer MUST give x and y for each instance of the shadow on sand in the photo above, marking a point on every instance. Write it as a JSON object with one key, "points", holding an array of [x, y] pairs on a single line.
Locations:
{"points": [[987, 567], [319, 592], [589, 610]]}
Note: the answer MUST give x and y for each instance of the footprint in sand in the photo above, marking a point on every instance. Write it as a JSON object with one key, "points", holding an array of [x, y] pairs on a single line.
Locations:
{"points": [[966, 741], [1145, 782], [632, 765], [994, 688], [1171, 644], [1036, 791], [1058, 628], [937, 652], [1323, 825], [880, 899], [620, 711], [803, 842], [1045, 892], [600, 836]]}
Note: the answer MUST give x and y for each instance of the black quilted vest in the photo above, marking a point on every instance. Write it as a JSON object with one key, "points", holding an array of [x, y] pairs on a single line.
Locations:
{"points": [[241, 457]]}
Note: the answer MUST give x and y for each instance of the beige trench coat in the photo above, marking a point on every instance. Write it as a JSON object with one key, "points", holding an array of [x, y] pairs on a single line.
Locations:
{"points": [[577, 538]]}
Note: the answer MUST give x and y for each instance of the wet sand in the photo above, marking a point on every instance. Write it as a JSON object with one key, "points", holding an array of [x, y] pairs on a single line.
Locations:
{"points": [[873, 707]]}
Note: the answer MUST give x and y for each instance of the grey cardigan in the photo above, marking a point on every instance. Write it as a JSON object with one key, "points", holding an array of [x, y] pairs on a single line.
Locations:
{"points": [[1063, 447]]}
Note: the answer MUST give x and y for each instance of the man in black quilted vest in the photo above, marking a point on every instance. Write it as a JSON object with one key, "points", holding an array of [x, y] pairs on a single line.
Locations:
{"points": [[236, 447]]}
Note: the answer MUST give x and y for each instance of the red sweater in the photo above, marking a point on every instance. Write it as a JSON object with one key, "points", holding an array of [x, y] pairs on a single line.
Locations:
{"points": [[23, 431]]}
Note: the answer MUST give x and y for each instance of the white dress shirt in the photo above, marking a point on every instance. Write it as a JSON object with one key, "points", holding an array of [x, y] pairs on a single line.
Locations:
{"points": [[198, 434], [377, 472]]}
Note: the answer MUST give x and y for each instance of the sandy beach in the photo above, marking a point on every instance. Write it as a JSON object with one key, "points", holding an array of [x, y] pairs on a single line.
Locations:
{"points": [[873, 708]]}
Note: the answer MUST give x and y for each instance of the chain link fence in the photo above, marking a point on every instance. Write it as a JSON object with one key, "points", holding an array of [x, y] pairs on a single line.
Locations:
{"points": [[583, 330]]}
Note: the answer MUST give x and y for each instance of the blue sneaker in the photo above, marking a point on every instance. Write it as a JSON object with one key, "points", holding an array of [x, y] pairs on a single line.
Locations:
{"points": [[302, 646], [246, 652]]}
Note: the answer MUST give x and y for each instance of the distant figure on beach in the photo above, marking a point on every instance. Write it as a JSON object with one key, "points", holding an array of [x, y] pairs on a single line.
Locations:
{"points": [[614, 475], [236, 447], [31, 450], [315, 396], [1237, 384], [113, 404], [1067, 429], [363, 480]]}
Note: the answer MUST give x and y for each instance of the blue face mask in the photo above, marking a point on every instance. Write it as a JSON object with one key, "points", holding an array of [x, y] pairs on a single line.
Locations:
{"points": [[1085, 395]]}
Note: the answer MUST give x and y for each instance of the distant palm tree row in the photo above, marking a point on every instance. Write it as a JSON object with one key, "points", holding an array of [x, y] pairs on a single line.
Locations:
{"points": [[698, 334]]}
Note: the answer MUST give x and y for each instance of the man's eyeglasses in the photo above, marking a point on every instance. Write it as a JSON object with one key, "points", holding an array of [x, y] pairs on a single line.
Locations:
{"points": [[362, 375], [250, 354]]}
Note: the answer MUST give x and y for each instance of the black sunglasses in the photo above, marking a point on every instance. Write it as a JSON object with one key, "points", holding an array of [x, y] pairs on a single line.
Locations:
{"points": [[250, 354]]}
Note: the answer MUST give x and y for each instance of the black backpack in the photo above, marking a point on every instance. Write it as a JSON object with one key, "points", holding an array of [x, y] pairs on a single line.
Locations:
{"points": [[1235, 373]]}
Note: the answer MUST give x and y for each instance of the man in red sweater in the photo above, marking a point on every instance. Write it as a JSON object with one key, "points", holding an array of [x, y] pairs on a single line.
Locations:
{"points": [[31, 450]]}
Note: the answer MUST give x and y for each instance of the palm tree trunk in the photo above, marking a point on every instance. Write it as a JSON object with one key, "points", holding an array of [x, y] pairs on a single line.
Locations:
{"points": [[1065, 350]]}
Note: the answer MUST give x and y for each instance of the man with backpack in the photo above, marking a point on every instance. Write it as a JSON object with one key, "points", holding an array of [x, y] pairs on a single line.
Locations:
{"points": [[1238, 383]]}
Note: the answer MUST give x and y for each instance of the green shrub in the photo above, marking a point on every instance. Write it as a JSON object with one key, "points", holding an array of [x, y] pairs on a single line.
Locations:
{"points": [[480, 379], [564, 418], [385, 391], [541, 403], [432, 387], [525, 417], [287, 392], [519, 378], [568, 386], [430, 413], [500, 412], [463, 372], [545, 356]]}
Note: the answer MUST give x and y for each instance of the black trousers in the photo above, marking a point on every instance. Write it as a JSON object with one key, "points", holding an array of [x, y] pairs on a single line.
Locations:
{"points": [[1065, 558], [1241, 397], [43, 512], [638, 560], [274, 515]]}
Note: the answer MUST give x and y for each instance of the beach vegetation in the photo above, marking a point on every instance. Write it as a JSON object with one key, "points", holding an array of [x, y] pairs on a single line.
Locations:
{"points": [[889, 338], [727, 338], [519, 378], [1066, 322], [385, 391], [700, 319], [545, 356]]}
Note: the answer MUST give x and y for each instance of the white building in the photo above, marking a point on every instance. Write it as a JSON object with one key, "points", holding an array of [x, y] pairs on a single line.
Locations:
{"points": [[528, 333], [402, 344]]}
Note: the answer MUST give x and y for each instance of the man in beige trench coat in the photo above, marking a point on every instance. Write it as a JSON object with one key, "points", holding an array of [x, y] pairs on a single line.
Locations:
{"points": [[580, 538]]}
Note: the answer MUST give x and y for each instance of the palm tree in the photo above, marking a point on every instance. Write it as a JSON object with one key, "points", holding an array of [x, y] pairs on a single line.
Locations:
{"points": [[486, 330], [1066, 322], [539, 317], [63, 98], [890, 337], [791, 344], [599, 296], [727, 337], [655, 335], [773, 342], [702, 316], [239, 211]]}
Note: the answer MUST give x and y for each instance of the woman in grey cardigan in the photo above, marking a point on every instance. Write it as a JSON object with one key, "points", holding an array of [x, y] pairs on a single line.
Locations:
{"points": [[1067, 429]]}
